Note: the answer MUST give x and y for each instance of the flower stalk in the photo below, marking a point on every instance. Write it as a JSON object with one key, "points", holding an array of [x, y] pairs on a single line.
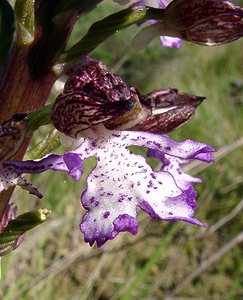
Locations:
{"points": [[27, 79]]}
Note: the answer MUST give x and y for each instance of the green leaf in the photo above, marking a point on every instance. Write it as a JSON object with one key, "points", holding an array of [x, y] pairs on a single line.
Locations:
{"points": [[101, 30], [47, 145], [7, 29], [39, 117], [15, 228], [25, 18]]}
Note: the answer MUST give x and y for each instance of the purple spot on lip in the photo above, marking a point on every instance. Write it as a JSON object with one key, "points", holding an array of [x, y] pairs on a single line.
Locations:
{"points": [[121, 197], [153, 175], [150, 184], [94, 143], [106, 214], [92, 199], [156, 144]]}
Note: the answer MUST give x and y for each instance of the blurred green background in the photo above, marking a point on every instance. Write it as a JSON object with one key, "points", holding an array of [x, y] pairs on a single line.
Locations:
{"points": [[173, 261]]}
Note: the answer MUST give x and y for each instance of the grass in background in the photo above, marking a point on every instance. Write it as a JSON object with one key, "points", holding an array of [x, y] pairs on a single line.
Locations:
{"points": [[54, 263]]}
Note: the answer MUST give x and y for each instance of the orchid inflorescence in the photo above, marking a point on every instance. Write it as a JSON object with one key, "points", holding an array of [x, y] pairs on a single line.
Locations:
{"points": [[107, 116]]}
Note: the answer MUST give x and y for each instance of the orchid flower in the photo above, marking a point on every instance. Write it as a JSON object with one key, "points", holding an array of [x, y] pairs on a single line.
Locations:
{"points": [[110, 116], [208, 23], [122, 181]]}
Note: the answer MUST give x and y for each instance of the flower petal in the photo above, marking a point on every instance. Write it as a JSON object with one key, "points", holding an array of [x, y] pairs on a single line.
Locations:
{"points": [[9, 177], [187, 149], [11, 171], [74, 164], [170, 42], [174, 208]]}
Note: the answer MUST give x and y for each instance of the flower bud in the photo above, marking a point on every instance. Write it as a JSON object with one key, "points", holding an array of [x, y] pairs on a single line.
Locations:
{"points": [[8, 246], [209, 22]]}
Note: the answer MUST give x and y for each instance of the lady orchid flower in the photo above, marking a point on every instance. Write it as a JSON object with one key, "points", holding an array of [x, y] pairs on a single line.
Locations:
{"points": [[122, 181], [111, 116]]}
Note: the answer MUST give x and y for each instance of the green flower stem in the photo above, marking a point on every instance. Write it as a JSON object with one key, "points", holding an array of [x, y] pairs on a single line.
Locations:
{"points": [[21, 91], [47, 145], [101, 30], [27, 79], [7, 28], [39, 117]]}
